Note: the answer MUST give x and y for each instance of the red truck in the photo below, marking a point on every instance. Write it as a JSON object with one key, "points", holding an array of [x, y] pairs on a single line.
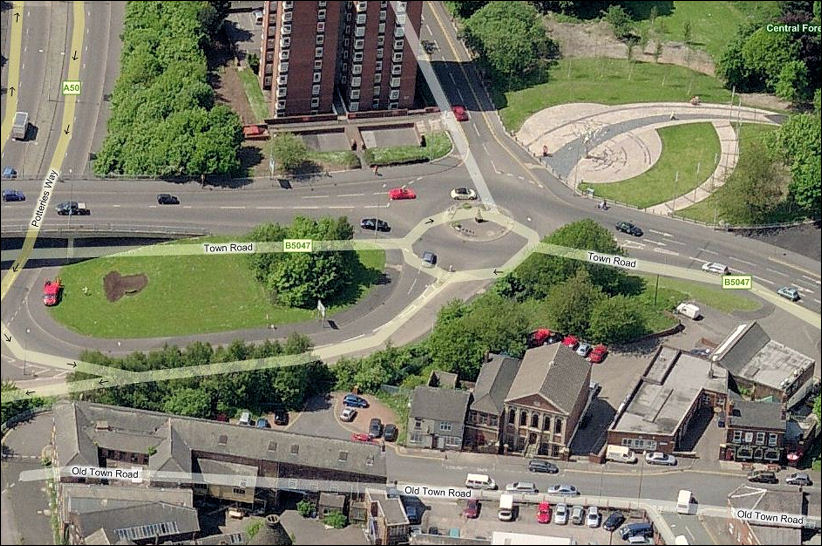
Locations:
{"points": [[51, 292]]}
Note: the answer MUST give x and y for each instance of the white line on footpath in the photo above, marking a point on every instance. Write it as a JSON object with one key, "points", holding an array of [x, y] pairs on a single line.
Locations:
{"points": [[353, 338]]}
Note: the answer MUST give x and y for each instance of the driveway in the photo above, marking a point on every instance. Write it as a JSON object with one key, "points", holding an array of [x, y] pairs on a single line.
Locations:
{"points": [[320, 417]]}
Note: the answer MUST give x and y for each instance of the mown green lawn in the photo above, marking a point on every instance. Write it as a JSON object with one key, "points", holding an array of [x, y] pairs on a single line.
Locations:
{"points": [[672, 290], [254, 93], [608, 81], [345, 159], [437, 145], [184, 295], [690, 150]]}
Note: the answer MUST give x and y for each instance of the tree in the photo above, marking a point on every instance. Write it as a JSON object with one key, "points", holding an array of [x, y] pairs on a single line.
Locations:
{"points": [[754, 188], [620, 21], [188, 402], [765, 53], [792, 83], [799, 141], [335, 519], [305, 508], [731, 67], [571, 302], [617, 319], [254, 62], [817, 408], [466, 8], [686, 31], [289, 151]]}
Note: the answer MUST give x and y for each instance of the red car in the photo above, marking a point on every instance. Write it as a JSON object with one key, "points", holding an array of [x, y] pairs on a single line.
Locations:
{"points": [[361, 437], [544, 513], [401, 193], [570, 341], [598, 354], [471, 510], [51, 292], [538, 337], [459, 112]]}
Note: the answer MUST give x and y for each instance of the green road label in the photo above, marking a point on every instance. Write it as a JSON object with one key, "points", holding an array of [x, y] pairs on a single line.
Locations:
{"points": [[228, 248], [736, 282], [297, 245], [71, 87], [617, 261]]}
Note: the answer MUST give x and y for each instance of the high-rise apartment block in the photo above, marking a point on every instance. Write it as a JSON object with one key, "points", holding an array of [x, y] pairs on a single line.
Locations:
{"points": [[357, 50]]}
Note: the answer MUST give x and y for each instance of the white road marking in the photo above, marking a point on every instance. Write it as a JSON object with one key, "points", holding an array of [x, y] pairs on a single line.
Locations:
{"points": [[708, 251], [802, 288], [743, 261], [665, 251], [675, 242], [462, 100], [654, 242], [476, 130], [315, 196], [378, 193], [376, 206], [492, 164], [351, 195], [698, 259], [412, 285], [269, 208], [339, 207], [817, 301], [660, 233], [232, 207], [353, 338], [632, 244], [777, 272], [812, 279], [760, 279]]}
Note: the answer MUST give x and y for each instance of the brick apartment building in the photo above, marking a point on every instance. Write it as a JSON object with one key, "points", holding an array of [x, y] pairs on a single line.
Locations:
{"points": [[359, 51]]}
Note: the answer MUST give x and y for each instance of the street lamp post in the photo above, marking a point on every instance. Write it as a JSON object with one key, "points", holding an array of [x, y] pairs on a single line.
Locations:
{"points": [[25, 350]]}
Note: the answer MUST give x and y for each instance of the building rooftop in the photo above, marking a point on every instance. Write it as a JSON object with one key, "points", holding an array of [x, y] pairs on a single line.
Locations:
{"points": [[494, 382], [746, 414], [769, 500], [391, 508], [749, 353], [439, 378], [139, 521], [85, 497], [667, 390], [554, 372], [439, 404]]}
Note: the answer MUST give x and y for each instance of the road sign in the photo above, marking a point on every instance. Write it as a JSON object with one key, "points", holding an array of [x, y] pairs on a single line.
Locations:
{"points": [[71, 87], [321, 308], [736, 282]]}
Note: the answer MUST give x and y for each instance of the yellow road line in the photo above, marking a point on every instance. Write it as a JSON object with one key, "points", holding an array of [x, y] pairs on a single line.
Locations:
{"points": [[14, 72]]}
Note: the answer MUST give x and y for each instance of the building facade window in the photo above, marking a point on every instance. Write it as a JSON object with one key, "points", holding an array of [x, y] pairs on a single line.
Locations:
{"points": [[395, 82], [357, 56], [446, 426], [354, 106], [355, 81], [380, 41], [361, 18], [321, 14], [320, 27], [320, 40], [397, 57], [377, 94], [772, 439], [535, 420], [416, 438], [356, 69], [557, 426], [317, 77], [359, 32], [377, 78], [239, 491], [417, 423], [315, 90], [523, 417], [318, 64], [359, 44], [355, 94], [453, 441], [737, 437], [396, 70], [760, 438], [318, 52]]}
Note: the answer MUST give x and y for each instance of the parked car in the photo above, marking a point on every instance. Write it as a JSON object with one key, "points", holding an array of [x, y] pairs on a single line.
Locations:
{"points": [[471, 510], [429, 259], [51, 292], [562, 489], [657, 457], [245, 418], [401, 193], [799, 478], [583, 349], [715, 267], [280, 417], [463, 194], [538, 465], [538, 337], [521, 487], [561, 514], [13, 195], [629, 228], [355, 401], [578, 515], [544, 513], [703, 352], [9, 173], [390, 433], [348, 414], [595, 387], [570, 341], [592, 519], [167, 199], [613, 521], [789, 292], [262, 422], [374, 224], [459, 112], [375, 427], [598, 354], [361, 437], [762, 476]]}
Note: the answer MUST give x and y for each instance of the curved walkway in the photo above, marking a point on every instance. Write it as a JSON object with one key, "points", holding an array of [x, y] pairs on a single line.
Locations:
{"points": [[602, 144]]}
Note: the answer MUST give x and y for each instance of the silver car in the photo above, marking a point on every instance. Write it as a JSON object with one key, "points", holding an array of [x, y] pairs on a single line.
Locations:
{"points": [[789, 292], [561, 514], [583, 349], [562, 489]]}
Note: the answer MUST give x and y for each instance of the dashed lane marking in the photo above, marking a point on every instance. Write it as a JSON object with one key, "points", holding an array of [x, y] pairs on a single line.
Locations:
{"points": [[817, 281], [660, 233], [777, 272], [742, 261], [666, 251], [760, 279], [655, 242], [708, 251]]}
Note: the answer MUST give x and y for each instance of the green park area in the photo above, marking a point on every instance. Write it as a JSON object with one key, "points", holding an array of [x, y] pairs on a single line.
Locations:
{"points": [[185, 295], [608, 81], [689, 155], [254, 93], [437, 145], [673, 291]]}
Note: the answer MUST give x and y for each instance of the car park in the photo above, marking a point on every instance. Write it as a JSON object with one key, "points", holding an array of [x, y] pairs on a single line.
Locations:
{"points": [[375, 427], [374, 224], [657, 457], [613, 521], [401, 193], [578, 515], [348, 414], [561, 514], [598, 354], [562, 489], [544, 513], [539, 465], [429, 259], [361, 437], [167, 199], [280, 417], [262, 422], [592, 519], [521, 487], [459, 112], [463, 194], [583, 349], [390, 433], [762, 476], [9, 173], [355, 401], [789, 292], [472, 508], [799, 478], [715, 267], [629, 228], [570, 341]]}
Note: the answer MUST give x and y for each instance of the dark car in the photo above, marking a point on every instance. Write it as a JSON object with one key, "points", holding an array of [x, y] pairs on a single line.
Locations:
{"points": [[762, 476], [167, 199], [374, 224], [280, 417], [615, 519], [390, 433], [629, 228], [429, 259], [355, 401], [13, 195], [375, 427], [538, 465], [262, 422], [72, 208]]}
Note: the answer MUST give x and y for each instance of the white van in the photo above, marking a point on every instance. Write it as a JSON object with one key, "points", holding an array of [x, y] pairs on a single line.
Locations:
{"points": [[689, 310], [245, 418], [480, 481], [620, 454], [506, 507], [680, 539], [684, 502]]}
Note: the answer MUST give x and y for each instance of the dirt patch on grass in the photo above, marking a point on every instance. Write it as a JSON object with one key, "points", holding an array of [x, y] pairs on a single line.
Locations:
{"points": [[117, 286]]}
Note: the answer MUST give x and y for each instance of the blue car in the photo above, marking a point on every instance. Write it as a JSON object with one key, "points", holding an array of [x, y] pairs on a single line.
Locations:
{"points": [[13, 195], [355, 401], [262, 422]]}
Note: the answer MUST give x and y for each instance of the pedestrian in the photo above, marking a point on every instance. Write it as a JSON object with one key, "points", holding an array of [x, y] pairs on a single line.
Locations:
{"points": [[673, 115], [545, 151], [376, 170]]}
